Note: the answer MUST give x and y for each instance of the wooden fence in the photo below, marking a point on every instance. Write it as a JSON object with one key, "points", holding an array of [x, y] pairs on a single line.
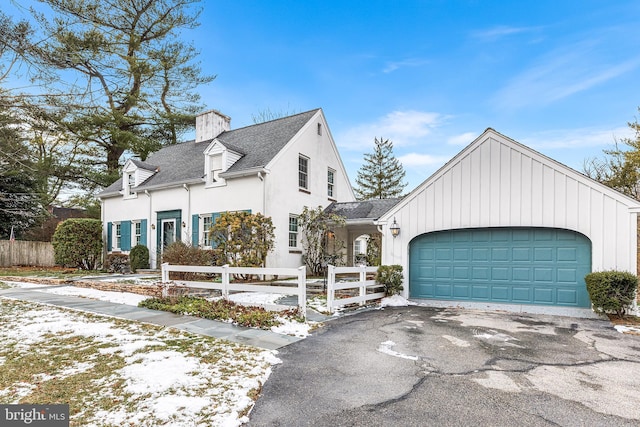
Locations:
{"points": [[225, 285], [19, 252], [354, 279]]}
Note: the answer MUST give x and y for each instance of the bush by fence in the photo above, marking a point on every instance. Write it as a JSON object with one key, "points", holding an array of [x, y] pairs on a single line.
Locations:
{"points": [[38, 254]]}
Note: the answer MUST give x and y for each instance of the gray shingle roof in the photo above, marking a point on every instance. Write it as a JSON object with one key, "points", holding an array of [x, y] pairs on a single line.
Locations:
{"points": [[143, 165], [184, 162], [366, 209]]}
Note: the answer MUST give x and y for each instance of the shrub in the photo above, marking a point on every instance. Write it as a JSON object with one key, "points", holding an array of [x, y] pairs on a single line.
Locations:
{"points": [[77, 242], [117, 263], [390, 276], [218, 310], [179, 253], [611, 291], [139, 257]]}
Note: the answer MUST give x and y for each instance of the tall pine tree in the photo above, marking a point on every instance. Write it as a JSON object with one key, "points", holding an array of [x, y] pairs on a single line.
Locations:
{"points": [[381, 176]]}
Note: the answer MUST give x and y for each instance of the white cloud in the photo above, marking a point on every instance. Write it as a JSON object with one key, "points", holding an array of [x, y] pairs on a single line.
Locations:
{"points": [[560, 74], [576, 138], [403, 128], [501, 31], [418, 159], [413, 62], [462, 139]]}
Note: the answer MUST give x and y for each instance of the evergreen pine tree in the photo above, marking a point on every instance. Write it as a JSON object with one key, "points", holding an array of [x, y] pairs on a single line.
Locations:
{"points": [[381, 176]]}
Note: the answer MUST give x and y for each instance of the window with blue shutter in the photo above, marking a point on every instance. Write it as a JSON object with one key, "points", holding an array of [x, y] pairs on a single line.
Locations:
{"points": [[109, 237], [143, 232], [125, 230], [195, 230]]}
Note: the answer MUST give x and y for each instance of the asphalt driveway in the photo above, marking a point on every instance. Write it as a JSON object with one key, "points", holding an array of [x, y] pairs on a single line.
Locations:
{"points": [[419, 366]]}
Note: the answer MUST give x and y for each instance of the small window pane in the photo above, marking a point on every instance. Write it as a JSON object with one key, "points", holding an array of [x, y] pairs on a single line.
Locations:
{"points": [[330, 182], [293, 232], [303, 172]]}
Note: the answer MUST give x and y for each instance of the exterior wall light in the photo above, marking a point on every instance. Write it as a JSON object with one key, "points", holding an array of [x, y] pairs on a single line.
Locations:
{"points": [[395, 228]]}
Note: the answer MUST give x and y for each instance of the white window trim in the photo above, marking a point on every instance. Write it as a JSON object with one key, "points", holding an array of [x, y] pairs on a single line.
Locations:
{"points": [[128, 185], [202, 231], [331, 185], [297, 232], [213, 178], [117, 233], [134, 234], [307, 174]]}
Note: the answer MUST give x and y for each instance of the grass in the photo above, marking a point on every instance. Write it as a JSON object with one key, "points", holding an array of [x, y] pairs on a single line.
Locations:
{"points": [[50, 272], [220, 309], [105, 368]]}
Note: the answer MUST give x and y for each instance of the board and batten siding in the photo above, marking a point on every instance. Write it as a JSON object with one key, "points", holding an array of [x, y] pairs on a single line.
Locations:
{"points": [[497, 182]]}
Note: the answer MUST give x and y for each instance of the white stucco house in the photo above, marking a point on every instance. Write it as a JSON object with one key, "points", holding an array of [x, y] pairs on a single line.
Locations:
{"points": [[502, 223], [275, 168]]}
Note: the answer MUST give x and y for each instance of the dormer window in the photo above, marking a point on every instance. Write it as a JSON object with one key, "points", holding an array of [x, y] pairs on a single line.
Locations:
{"points": [[215, 167], [131, 182], [217, 160]]}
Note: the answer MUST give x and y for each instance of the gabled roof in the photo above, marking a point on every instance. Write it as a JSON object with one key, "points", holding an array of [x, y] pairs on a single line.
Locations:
{"points": [[489, 134], [184, 163], [362, 210], [143, 165]]}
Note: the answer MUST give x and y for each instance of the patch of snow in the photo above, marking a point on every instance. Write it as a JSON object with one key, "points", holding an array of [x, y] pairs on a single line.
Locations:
{"points": [[395, 301], [386, 348], [256, 298], [624, 329], [456, 341], [291, 327], [115, 297]]}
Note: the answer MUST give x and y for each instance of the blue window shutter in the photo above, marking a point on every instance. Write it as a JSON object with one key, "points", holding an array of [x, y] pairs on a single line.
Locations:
{"points": [[109, 237], [126, 235], [214, 218], [143, 232], [195, 230]]}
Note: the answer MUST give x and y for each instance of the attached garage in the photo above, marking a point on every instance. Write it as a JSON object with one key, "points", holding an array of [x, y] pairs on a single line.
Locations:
{"points": [[502, 223], [520, 265]]}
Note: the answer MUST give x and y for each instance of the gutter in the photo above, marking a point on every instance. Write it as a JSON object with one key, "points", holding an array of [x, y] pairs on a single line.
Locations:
{"points": [[244, 172]]}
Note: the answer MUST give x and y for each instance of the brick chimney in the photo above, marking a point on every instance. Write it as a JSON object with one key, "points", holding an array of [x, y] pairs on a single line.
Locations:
{"points": [[211, 124]]}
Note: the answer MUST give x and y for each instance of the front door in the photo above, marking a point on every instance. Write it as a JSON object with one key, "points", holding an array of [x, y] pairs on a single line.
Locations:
{"points": [[168, 232]]}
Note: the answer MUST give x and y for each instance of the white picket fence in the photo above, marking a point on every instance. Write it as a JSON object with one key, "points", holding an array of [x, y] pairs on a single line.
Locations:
{"points": [[366, 288], [226, 285]]}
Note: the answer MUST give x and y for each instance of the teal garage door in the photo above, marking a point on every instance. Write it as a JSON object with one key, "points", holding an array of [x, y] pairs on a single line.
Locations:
{"points": [[540, 266]]}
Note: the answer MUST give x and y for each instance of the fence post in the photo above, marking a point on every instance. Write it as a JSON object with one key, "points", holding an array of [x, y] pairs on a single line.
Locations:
{"points": [[302, 290], [165, 272], [225, 281], [363, 285], [331, 278]]}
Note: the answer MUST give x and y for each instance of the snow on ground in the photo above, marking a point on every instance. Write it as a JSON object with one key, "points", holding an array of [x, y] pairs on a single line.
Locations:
{"points": [[395, 301], [167, 377]]}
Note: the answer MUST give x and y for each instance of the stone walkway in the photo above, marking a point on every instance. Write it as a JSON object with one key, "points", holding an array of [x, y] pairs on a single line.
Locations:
{"points": [[254, 337]]}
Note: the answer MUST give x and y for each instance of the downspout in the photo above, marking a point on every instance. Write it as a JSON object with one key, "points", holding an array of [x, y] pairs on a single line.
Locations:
{"points": [[264, 195], [152, 254], [105, 235], [187, 221]]}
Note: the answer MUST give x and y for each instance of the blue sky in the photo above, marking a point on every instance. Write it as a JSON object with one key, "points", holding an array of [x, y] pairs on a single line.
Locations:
{"points": [[559, 76]]}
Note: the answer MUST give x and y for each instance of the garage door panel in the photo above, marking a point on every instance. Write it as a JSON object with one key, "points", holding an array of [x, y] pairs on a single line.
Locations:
{"points": [[543, 296], [480, 292], [500, 293], [520, 265], [521, 294], [543, 274], [499, 273], [443, 290], [567, 296]]}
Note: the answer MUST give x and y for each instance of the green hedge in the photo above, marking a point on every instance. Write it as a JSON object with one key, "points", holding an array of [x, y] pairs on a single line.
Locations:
{"points": [[77, 243], [390, 276], [611, 291], [139, 257]]}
